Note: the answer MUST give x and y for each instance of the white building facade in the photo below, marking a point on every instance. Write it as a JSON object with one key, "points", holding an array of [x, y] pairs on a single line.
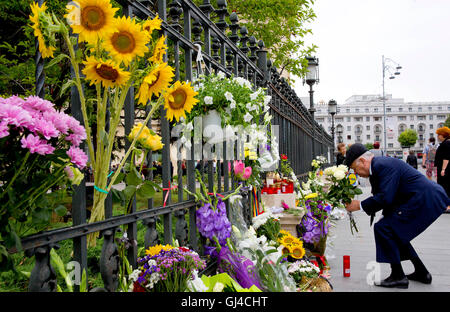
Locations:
{"points": [[360, 120]]}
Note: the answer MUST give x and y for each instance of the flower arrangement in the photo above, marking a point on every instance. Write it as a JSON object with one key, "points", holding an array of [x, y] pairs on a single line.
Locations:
{"points": [[40, 151], [315, 224], [166, 269], [118, 53], [318, 162], [342, 190], [291, 245], [240, 171]]}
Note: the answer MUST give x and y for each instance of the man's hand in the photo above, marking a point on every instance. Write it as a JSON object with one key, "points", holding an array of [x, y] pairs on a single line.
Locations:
{"points": [[353, 206]]}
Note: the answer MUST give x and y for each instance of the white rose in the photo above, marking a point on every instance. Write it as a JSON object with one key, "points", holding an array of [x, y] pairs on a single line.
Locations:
{"points": [[208, 100], [339, 174]]}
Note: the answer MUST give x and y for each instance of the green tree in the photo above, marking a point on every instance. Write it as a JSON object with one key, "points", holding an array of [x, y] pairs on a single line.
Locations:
{"points": [[407, 138], [282, 25], [447, 122], [369, 146]]}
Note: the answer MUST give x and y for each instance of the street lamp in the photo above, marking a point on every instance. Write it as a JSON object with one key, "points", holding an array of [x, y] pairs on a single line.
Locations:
{"points": [[312, 77], [388, 68], [332, 110]]}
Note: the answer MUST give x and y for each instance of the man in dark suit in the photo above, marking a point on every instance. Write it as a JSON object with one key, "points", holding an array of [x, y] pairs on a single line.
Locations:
{"points": [[409, 203]]}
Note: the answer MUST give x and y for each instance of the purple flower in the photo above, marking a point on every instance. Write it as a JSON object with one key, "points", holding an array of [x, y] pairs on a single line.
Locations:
{"points": [[36, 103], [77, 156], [36, 145]]}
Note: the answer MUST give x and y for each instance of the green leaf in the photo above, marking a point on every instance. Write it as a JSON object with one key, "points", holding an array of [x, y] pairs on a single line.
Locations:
{"points": [[129, 191], [133, 177], [69, 83], [56, 60], [104, 137], [145, 191], [119, 178], [83, 282], [61, 210]]}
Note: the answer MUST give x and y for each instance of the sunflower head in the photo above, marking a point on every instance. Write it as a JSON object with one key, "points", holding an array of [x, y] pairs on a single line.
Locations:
{"points": [[159, 50], [91, 19], [287, 240], [297, 252], [155, 82], [127, 42], [40, 23], [179, 99], [107, 72], [150, 25]]}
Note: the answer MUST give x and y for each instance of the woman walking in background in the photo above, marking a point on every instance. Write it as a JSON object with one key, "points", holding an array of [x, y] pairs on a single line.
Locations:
{"points": [[428, 158], [340, 157], [412, 159], [442, 160]]}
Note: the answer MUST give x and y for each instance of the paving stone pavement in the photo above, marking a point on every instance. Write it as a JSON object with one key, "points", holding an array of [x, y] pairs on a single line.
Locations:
{"points": [[432, 246]]}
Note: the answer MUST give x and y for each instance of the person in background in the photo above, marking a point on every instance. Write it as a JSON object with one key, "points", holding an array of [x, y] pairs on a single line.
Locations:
{"points": [[412, 159], [376, 149], [428, 158], [340, 157], [442, 160]]}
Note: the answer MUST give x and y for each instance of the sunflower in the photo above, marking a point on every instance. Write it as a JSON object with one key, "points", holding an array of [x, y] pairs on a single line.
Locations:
{"points": [[154, 250], [284, 232], [128, 42], [297, 252], [155, 82], [151, 25], [43, 36], [106, 72], [179, 100], [287, 240], [93, 19], [159, 50]]}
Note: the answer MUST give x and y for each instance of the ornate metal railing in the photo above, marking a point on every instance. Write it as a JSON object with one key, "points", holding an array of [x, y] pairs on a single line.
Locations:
{"points": [[233, 52]]}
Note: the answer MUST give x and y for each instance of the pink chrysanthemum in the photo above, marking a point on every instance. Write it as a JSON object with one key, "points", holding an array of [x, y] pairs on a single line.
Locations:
{"points": [[36, 145], [77, 156], [46, 128], [4, 129], [39, 104], [14, 115]]}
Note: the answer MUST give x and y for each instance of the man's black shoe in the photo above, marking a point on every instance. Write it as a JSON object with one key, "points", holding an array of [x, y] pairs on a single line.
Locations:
{"points": [[423, 278], [391, 282]]}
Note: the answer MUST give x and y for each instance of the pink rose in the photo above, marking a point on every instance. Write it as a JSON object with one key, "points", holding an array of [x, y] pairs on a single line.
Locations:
{"points": [[238, 168], [247, 173]]}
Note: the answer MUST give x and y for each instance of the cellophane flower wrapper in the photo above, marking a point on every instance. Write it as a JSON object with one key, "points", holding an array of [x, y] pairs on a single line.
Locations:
{"points": [[241, 269]]}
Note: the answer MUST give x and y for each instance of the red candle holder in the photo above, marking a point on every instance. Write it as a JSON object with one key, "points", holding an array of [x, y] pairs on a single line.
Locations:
{"points": [[346, 266]]}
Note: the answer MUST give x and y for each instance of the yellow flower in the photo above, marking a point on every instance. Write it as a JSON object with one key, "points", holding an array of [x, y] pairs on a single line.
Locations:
{"points": [[287, 240], [152, 142], [127, 42], [284, 232], [92, 20], [151, 25], [159, 50], [297, 252], [154, 250], [38, 14], [312, 195], [155, 82], [105, 72], [134, 131], [179, 100]]}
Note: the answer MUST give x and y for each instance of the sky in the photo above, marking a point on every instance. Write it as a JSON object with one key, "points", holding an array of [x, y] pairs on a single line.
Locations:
{"points": [[352, 36]]}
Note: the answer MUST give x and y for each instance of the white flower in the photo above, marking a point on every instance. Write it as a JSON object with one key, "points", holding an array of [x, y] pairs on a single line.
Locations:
{"points": [[339, 174], [254, 95], [248, 117], [267, 99], [208, 100], [233, 104], [249, 107], [134, 275], [221, 74], [228, 96], [243, 82], [189, 127], [196, 283]]}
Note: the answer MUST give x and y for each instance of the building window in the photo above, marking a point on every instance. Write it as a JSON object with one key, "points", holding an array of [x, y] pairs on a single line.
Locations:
{"points": [[431, 126], [420, 136], [348, 119], [319, 119], [357, 110], [410, 109], [388, 109], [430, 108], [419, 109], [421, 144], [390, 145], [349, 128], [347, 110], [368, 118], [376, 118], [439, 107], [377, 138], [349, 137], [375, 110], [431, 134], [440, 117], [411, 127], [367, 127], [368, 137], [366, 110], [401, 118], [340, 119], [400, 109], [411, 117], [430, 117], [421, 117], [358, 118]]}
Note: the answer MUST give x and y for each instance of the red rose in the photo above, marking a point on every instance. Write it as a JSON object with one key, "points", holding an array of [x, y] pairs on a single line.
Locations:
{"points": [[137, 287], [283, 157]]}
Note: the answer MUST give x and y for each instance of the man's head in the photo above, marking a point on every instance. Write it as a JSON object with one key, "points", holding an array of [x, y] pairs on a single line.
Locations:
{"points": [[376, 145], [359, 158]]}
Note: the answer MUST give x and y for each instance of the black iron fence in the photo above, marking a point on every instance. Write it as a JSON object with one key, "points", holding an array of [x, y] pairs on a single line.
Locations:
{"points": [[232, 52]]}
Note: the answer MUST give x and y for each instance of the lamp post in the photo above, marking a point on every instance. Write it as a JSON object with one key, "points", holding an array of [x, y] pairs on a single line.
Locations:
{"points": [[388, 68], [332, 109], [312, 77]]}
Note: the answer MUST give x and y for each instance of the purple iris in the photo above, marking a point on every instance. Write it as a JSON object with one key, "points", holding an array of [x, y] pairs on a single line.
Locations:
{"points": [[213, 222]]}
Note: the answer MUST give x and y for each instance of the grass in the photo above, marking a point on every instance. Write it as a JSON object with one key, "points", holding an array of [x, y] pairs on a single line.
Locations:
{"points": [[16, 281]]}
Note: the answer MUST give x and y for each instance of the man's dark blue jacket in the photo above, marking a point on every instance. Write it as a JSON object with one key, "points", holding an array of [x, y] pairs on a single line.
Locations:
{"points": [[408, 199]]}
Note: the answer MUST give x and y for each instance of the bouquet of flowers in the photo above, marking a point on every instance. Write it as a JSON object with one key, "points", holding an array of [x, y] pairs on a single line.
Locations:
{"points": [[342, 190], [318, 162], [40, 151], [303, 270], [315, 224], [166, 269], [116, 54]]}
